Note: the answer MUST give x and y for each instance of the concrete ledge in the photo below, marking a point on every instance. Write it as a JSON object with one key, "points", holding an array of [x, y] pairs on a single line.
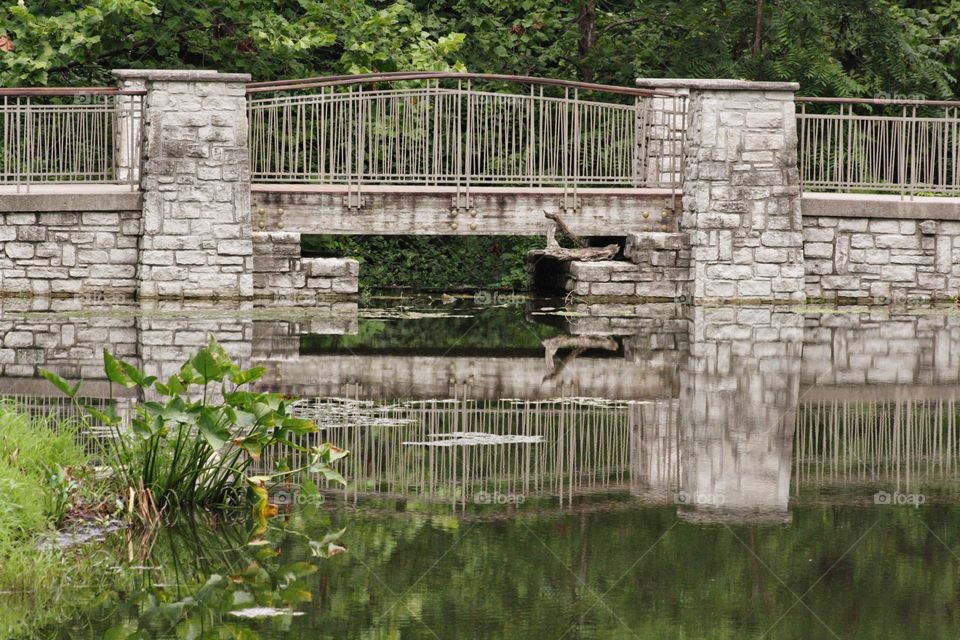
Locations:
{"points": [[865, 205], [719, 84], [70, 198], [180, 75]]}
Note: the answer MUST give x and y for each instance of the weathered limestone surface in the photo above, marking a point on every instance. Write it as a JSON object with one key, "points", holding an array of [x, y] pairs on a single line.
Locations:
{"points": [[281, 273], [657, 266], [196, 185], [741, 203], [69, 253], [881, 260]]}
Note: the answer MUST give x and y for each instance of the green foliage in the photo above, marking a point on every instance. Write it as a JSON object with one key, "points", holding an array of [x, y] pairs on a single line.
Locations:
{"points": [[37, 460], [440, 263], [850, 47], [192, 442], [57, 42], [39, 464]]}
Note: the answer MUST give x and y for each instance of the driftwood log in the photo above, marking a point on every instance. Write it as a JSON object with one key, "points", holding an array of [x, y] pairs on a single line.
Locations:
{"points": [[582, 252]]}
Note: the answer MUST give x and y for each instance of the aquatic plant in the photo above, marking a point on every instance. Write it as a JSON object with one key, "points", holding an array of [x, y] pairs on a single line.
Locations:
{"points": [[190, 440]]}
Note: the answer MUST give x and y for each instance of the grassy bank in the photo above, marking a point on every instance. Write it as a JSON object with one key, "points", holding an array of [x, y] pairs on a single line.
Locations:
{"points": [[42, 469]]}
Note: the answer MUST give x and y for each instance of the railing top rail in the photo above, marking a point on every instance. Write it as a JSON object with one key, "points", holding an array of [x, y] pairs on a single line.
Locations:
{"points": [[68, 91], [881, 101], [397, 76]]}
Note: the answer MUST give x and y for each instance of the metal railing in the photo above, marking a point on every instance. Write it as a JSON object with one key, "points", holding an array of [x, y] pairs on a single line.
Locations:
{"points": [[857, 145], [70, 135], [461, 130]]}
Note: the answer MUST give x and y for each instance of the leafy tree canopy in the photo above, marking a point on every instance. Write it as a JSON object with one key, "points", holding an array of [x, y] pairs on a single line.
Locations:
{"points": [[832, 47]]}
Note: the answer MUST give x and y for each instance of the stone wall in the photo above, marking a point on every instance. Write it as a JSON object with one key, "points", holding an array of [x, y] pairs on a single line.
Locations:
{"points": [[656, 266], [87, 253], [881, 260], [279, 271]]}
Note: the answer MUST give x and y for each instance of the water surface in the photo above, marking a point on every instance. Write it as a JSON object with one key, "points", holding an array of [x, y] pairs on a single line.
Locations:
{"points": [[546, 471]]}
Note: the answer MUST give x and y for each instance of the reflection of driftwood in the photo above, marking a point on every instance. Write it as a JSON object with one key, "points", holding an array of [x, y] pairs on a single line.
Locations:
{"points": [[564, 229], [579, 345], [582, 252]]}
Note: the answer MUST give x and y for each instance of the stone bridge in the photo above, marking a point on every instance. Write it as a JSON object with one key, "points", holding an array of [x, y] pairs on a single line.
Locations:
{"points": [[198, 184]]}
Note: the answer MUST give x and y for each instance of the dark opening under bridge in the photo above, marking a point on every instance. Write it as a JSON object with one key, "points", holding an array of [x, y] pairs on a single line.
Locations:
{"points": [[199, 184]]}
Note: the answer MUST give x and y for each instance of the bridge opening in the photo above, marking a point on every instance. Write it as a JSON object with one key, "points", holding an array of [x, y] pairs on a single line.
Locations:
{"points": [[432, 263]]}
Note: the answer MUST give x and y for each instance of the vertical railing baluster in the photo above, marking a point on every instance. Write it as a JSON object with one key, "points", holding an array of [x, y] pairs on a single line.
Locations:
{"points": [[470, 141]]}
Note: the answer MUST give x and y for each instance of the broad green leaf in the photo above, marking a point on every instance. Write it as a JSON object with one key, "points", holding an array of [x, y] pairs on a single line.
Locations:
{"points": [[142, 428], [215, 434], [243, 377], [299, 426], [136, 375], [108, 418], [206, 366], [61, 384], [115, 372], [328, 473]]}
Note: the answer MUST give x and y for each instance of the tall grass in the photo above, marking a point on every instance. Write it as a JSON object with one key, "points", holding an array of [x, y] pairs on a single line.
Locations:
{"points": [[37, 457]]}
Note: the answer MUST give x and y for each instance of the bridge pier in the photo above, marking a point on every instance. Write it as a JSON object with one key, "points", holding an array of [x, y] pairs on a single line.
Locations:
{"points": [[196, 235], [741, 189]]}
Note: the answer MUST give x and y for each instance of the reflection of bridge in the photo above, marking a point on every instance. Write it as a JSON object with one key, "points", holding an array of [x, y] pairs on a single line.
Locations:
{"points": [[740, 403]]}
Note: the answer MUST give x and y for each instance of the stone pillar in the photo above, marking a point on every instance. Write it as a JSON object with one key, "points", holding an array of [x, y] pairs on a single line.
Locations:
{"points": [[195, 180], [741, 193]]}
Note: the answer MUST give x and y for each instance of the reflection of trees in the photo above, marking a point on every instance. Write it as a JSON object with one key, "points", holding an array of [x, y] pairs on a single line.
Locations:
{"points": [[878, 572], [498, 580]]}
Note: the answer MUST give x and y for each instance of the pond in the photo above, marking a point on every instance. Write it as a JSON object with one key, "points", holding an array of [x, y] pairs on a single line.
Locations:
{"points": [[533, 469]]}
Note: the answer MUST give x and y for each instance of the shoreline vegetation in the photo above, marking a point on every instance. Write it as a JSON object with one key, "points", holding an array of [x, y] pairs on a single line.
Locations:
{"points": [[43, 478], [185, 453]]}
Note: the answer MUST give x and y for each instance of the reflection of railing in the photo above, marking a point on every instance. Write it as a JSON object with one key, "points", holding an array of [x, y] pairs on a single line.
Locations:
{"points": [[896, 445], [70, 135], [906, 147], [455, 129], [433, 449]]}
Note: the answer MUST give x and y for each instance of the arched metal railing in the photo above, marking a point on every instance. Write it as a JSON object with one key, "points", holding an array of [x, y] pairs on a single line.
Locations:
{"points": [[463, 130]]}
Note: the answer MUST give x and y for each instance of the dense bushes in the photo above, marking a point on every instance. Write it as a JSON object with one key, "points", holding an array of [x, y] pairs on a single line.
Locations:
{"points": [[443, 263]]}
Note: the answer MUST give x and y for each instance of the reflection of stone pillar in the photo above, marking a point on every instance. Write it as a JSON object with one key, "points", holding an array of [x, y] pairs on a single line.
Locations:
{"points": [[738, 401]]}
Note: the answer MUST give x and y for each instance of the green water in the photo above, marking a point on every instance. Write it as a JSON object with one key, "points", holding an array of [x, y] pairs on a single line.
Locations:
{"points": [[604, 569], [740, 476]]}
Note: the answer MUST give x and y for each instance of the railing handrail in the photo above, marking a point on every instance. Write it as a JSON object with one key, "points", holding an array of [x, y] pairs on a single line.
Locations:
{"points": [[879, 101], [69, 91], [398, 76]]}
